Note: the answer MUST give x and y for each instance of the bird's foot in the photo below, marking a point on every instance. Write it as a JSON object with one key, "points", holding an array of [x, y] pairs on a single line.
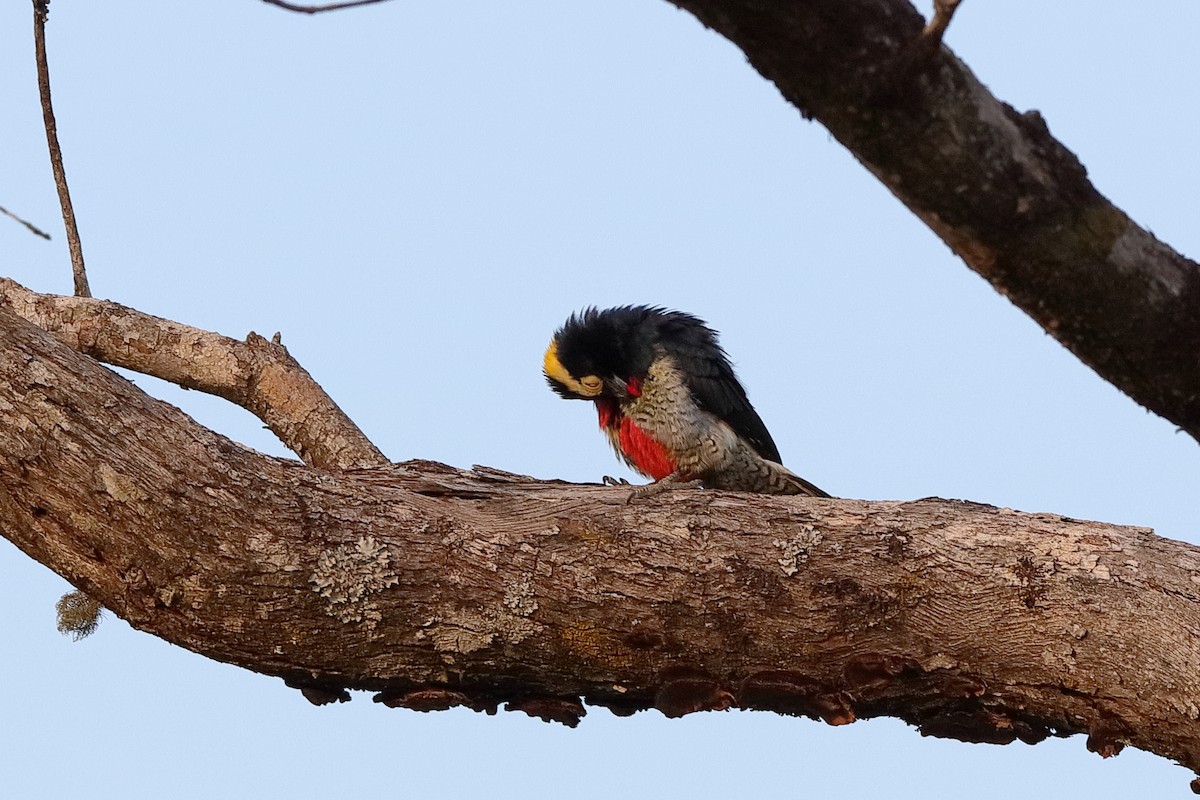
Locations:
{"points": [[608, 480], [667, 484]]}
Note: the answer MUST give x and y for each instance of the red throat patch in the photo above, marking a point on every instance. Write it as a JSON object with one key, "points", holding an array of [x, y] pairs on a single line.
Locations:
{"points": [[608, 412]]}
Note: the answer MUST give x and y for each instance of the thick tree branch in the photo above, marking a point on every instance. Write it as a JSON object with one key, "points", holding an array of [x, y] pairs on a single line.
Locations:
{"points": [[993, 183], [41, 10], [259, 375], [437, 587]]}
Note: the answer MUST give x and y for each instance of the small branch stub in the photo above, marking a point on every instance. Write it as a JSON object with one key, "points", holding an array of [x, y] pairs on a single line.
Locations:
{"points": [[943, 12]]}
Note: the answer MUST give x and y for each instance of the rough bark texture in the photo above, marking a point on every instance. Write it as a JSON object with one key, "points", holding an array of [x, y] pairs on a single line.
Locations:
{"points": [[1006, 196], [438, 587], [256, 374]]}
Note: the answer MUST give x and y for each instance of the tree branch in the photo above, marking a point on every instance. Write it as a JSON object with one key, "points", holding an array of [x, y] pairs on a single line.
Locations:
{"points": [[258, 375], [41, 10], [36, 231], [320, 9], [436, 587], [1006, 196]]}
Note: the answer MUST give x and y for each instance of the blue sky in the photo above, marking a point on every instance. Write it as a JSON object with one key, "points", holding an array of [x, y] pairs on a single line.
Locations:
{"points": [[416, 194]]}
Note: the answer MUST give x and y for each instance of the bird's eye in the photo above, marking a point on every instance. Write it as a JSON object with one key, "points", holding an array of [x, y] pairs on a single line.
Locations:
{"points": [[591, 384]]}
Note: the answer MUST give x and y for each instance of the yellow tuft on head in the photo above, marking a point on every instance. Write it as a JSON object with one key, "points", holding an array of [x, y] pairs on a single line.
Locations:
{"points": [[552, 366]]}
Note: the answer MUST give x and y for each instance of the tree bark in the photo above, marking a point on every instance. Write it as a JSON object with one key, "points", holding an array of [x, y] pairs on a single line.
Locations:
{"points": [[439, 587], [998, 189], [258, 375]]}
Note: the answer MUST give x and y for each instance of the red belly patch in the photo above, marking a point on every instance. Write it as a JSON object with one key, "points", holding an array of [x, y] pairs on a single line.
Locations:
{"points": [[646, 453]]}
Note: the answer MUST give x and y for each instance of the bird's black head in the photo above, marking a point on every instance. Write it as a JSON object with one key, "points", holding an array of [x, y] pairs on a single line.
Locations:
{"points": [[596, 352]]}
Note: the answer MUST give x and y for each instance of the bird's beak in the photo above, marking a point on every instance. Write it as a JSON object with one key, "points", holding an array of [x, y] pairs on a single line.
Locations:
{"points": [[617, 387]]}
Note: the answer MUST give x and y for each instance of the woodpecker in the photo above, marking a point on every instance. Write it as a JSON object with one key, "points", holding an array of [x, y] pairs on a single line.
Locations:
{"points": [[668, 400]]}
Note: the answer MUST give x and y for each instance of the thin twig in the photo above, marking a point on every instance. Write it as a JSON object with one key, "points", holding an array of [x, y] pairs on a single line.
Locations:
{"points": [[319, 9], [32, 228], [41, 10]]}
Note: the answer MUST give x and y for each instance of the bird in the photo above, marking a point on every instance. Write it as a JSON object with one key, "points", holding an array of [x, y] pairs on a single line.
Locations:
{"points": [[668, 400]]}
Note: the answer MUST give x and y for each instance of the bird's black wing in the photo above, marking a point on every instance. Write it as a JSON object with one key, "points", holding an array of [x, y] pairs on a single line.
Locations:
{"points": [[711, 378]]}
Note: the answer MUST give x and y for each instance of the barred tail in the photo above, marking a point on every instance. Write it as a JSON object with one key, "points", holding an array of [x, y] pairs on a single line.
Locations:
{"points": [[791, 483], [752, 473]]}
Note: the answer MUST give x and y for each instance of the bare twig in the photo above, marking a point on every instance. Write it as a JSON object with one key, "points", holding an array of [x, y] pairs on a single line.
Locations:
{"points": [[41, 10], [318, 9], [258, 375], [32, 228]]}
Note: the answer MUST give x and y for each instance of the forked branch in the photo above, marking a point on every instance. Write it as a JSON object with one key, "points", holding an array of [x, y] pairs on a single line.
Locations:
{"points": [[935, 29], [436, 587], [258, 375]]}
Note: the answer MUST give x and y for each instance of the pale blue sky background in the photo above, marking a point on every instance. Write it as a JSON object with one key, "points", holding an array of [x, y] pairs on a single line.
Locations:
{"points": [[415, 194]]}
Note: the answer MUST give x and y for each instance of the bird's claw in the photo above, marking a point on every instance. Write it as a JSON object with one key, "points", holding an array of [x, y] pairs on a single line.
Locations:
{"points": [[608, 480], [660, 486]]}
